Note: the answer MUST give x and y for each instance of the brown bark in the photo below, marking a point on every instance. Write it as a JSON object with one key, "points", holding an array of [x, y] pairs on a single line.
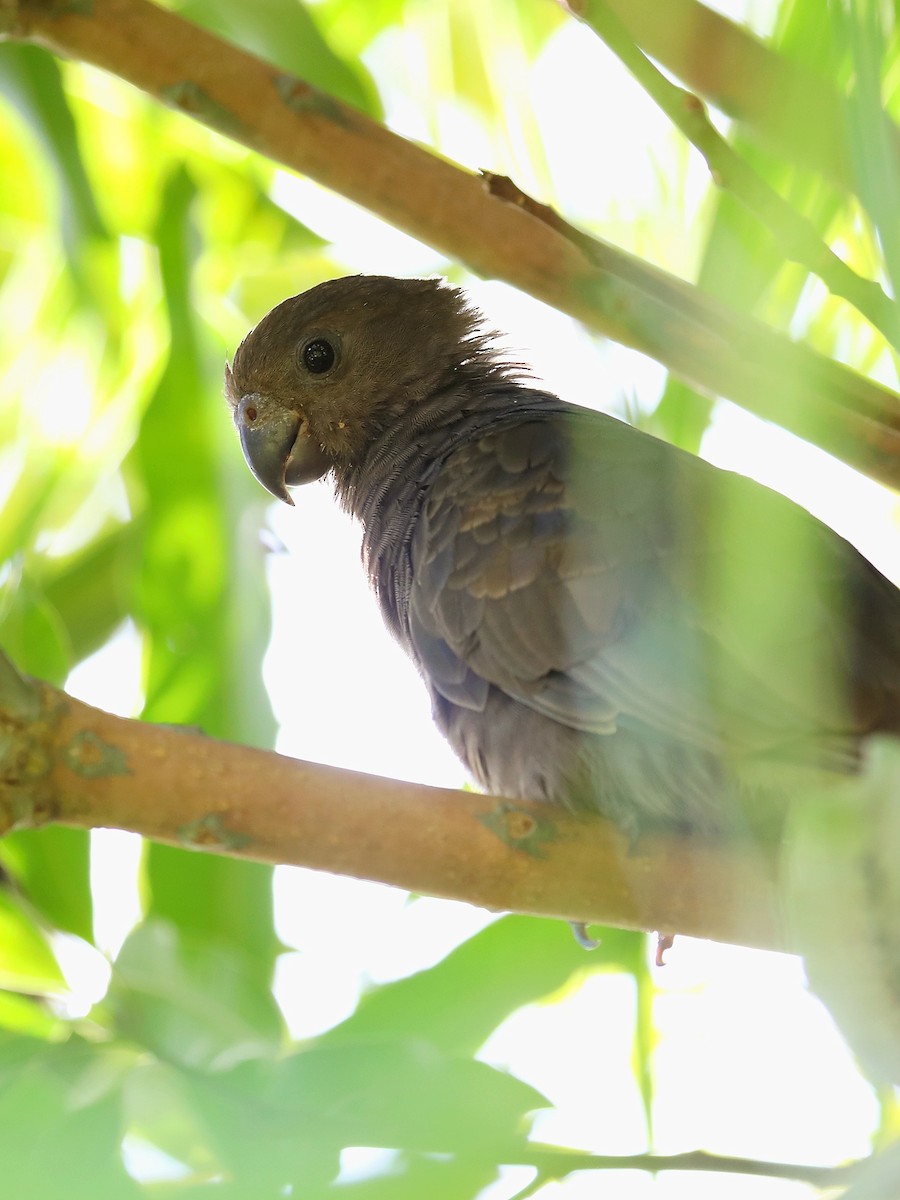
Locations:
{"points": [[63, 761]]}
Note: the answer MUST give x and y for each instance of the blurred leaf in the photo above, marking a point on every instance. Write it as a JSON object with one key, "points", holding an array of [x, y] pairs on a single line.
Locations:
{"points": [[878, 1178], [61, 1122], [286, 33], [536, 23], [274, 1124], [87, 589], [25, 506], [742, 261], [801, 33], [33, 634], [644, 1036], [161, 1113], [55, 611], [286, 1121], [744, 265], [27, 964], [681, 416], [412, 1177], [193, 1001], [353, 26], [206, 614], [27, 1015], [405, 1093], [261, 1136], [30, 77], [873, 143], [218, 1189], [468, 56], [490, 47], [458, 1003], [268, 247], [408, 1177], [52, 867], [202, 598], [842, 897], [215, 896]]}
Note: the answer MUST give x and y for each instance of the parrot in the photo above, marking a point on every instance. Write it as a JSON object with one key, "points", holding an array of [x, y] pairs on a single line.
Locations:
{"points": [[602, 620]]}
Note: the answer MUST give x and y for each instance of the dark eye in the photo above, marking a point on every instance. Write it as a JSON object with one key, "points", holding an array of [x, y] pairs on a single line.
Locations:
{"points": [[318, 356]]}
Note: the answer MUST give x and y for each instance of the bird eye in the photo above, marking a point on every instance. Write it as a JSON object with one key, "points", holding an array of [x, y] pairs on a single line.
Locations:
{"points": [[318, 356]]}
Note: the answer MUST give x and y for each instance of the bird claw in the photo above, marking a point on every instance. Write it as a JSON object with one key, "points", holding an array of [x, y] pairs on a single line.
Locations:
{"points": [[582, 937], [664, 942]]}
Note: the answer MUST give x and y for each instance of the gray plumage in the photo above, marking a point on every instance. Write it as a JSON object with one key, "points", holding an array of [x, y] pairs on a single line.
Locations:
{"points": [[601, 619]]}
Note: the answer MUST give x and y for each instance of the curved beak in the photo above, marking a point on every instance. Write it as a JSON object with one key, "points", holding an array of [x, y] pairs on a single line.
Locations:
{"points": [[277, 445]]}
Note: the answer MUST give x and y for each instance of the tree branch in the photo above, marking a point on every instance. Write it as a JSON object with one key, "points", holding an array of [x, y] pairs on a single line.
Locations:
{"points": [[556, 1164], [717, 349], [63, 761]]}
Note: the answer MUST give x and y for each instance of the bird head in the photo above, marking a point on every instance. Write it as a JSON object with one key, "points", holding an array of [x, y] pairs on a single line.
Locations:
{"points": [[316, 381]]}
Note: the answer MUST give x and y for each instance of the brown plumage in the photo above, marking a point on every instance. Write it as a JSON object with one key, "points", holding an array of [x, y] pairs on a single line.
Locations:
{"points": [[601, 619]]}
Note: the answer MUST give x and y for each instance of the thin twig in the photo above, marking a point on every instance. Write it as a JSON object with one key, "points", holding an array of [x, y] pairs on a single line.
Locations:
{"points": [[554, 1163]]}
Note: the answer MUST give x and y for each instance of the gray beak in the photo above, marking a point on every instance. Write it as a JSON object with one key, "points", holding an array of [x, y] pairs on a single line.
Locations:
{"points": [[277, 445]]}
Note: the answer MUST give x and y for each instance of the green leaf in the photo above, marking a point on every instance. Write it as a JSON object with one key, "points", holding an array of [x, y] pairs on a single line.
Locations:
{"points": [[191, 1000], [742, 263], [52, 868], [60, 1116], [201, 596], [411, 1177], [27, 964], [644, 1037], [488, 50], [458, 1003], [286, 1121], [842, 898], [161, 1112], [215, 897], [287, 34], [873, 140], [27, 1015], [25, 507], [30, 77], [353, 26], [32, 632], [87, 590], [407, 1094]]}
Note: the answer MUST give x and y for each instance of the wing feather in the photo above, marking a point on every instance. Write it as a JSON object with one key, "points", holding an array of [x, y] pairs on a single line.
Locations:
{"points": [[601, 577]]}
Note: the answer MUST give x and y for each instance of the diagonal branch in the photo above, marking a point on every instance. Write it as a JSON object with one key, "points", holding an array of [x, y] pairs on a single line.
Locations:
{"points": [[63, 761], [717, 349]]}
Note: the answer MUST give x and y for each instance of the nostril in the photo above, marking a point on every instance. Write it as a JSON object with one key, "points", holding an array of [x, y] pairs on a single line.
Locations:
{"points": [[250, 412]]}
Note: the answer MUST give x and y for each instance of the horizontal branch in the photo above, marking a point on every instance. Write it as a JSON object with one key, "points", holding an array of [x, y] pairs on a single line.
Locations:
{"points": [[64, 761], [716, 349], [553, 1163]]}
